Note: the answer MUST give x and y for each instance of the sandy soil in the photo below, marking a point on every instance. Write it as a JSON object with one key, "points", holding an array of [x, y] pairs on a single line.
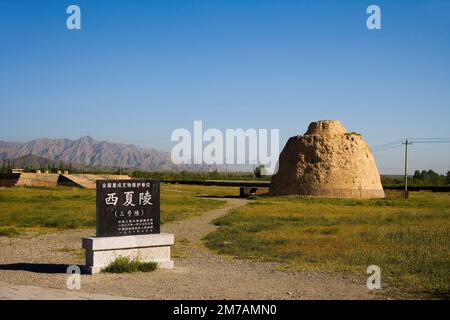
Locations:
{"points": [[42, 260]]}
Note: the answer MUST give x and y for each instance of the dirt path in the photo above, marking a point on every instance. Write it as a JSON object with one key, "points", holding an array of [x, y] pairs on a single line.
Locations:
{"points": [[195, 229], [200, 274], [23, 292]]}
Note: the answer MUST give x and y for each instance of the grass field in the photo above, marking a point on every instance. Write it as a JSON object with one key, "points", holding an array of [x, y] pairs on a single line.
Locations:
{"points": [[408, 238], [36, 209]]}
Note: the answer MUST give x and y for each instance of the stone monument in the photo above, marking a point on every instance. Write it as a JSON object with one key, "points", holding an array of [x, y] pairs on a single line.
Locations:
{"points": [[128, 225], [327, 161]]}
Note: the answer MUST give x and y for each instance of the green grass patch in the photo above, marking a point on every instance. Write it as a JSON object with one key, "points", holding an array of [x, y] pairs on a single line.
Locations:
{"points": [[180, 248], [9, 232], [37, 209], [126, 265], [47, 209], [408, 238]]}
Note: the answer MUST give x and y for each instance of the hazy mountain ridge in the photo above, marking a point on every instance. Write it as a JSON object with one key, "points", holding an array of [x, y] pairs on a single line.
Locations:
{"points": [[90, 152]]}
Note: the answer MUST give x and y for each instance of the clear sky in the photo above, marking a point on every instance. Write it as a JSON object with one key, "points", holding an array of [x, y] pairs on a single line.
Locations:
{"points": [[137, 70]]}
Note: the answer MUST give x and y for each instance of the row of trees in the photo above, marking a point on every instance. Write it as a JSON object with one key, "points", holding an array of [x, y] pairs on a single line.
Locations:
{"points": [[430, 177], [199, 175], [7, 167], [420, 178]]}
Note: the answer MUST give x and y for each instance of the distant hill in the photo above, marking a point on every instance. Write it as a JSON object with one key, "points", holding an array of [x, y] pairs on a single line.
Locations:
{"points": [[89, 152]]}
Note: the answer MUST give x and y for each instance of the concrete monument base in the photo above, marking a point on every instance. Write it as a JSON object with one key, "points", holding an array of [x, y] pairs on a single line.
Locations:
{"points": [[101, 251]]}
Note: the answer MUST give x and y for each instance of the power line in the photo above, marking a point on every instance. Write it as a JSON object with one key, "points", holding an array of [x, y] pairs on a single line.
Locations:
{"points": [[406, 143], [398, 143], [431, 141], [413, 168], [388, 144], [387, 148], [429, 138]]}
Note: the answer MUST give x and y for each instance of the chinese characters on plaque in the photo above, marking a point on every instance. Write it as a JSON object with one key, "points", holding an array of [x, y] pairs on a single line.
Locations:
{"points": [[127, 207]]}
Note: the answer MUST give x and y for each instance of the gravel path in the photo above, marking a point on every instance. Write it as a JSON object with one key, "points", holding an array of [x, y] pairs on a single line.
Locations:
{"points": [[41, 261], [22, 292]]}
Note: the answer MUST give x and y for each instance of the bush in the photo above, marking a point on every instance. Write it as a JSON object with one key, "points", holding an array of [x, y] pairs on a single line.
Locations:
{"points": [[125, 264], [9, 232]]}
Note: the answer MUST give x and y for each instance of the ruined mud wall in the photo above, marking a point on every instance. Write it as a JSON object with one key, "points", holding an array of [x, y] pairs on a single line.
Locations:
{"points": [[327, 161]]}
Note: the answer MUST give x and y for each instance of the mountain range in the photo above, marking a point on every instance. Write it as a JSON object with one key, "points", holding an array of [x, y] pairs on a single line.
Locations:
{"points": [[90, 152]]}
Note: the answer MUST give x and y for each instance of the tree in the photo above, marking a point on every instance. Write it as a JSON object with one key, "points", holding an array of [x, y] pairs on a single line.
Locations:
{"points": [[417, 175]]}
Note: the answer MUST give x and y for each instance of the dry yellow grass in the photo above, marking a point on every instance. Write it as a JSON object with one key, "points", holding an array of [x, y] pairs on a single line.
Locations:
{"points": [[38, 209]]}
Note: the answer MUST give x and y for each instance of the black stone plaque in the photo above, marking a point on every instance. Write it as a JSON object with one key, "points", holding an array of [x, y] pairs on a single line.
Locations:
{"points": [[127, 207]]}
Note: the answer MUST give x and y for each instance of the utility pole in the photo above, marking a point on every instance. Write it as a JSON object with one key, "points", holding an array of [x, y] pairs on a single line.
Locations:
{"points": [[406, 143]]}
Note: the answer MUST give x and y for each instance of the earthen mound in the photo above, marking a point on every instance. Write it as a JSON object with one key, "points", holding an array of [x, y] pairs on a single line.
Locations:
{"points": [[327, 161]]}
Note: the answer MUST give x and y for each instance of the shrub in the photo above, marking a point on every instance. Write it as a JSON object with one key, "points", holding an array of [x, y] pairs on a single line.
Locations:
{"points": [[125, 264], [8, 232]]}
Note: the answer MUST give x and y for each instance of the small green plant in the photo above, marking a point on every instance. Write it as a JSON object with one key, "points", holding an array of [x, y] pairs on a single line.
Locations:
{"points": [[329, 231], [9, 232], [125, 264], [353, 133], [180, 249]]}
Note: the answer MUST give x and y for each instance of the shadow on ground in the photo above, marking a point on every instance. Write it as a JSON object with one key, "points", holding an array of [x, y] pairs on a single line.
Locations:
{"points": [[36, 267]]}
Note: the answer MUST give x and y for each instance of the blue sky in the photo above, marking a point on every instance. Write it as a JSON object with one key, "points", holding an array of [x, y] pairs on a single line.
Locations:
{"points": [[137, 70]]}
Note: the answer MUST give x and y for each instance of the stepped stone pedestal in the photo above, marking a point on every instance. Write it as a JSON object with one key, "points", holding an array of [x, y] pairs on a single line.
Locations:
{"points": [[101, 251]]}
